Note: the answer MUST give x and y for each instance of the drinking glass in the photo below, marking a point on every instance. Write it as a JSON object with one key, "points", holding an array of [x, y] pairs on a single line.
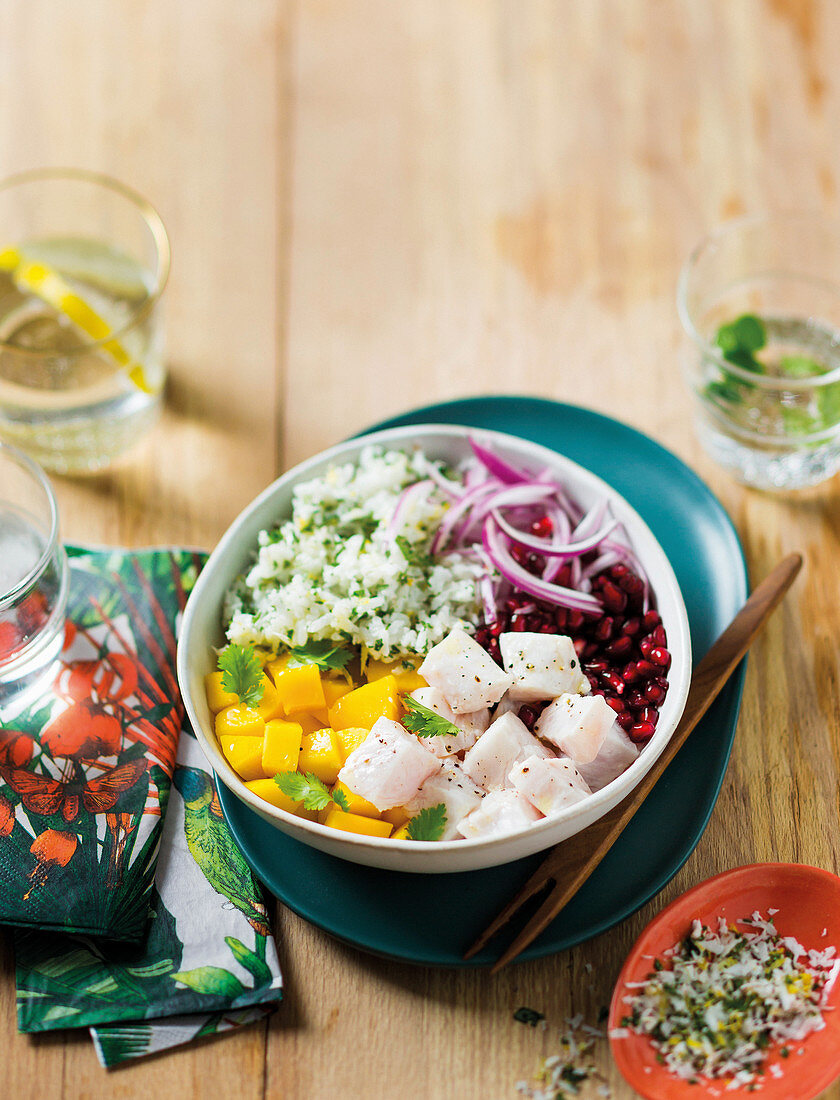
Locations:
{"points": [[83, 264], [759, 300], [33, 577]]}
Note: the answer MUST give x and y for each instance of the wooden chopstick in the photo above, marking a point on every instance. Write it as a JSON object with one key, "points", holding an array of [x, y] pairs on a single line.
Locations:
{"points": [[571, 863]]}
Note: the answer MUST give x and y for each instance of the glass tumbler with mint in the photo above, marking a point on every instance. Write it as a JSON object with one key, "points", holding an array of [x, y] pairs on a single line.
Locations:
{"points": [[759, 300], [83, 264]]}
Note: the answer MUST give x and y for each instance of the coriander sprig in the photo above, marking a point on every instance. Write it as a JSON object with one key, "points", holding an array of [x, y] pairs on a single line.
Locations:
{"points": [[426, 723], [325, 654], [310, 790], [242, 673], [428, 824]]}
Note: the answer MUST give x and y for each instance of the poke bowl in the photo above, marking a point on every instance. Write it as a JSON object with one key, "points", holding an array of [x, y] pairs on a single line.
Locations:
{"points": [[508, 655]]}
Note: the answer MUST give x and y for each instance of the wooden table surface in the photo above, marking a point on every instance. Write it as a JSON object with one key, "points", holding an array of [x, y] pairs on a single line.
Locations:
{"points": [[378, 204]]}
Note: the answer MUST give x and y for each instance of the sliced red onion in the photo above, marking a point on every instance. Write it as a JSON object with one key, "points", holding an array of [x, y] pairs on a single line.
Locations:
{"points": [[497, 466], [551, 549], [403, 504], [493, 543]]}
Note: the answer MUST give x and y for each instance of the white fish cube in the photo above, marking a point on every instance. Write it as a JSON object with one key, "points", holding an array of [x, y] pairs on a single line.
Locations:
{"points": [[455, 790], [389, 767], [506, 741], [577, 725], [542, 666], [465, 673], [549, 785], [470, 725], [616, 754], [500, 812]]}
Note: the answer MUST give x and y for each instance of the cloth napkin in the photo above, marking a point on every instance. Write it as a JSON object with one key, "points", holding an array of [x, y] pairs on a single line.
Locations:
{"points": [[112, 837]]}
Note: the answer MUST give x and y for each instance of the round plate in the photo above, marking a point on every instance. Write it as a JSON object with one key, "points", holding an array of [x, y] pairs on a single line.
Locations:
{"points": [[432, 919], [808, 903]]}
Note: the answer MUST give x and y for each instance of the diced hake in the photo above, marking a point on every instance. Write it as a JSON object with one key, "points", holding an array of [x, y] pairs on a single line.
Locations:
{"points": [[549, 785], [465, 673], [455, 790], [505, 743], [577, 725], [500, 812], [615, 756], [471, 725], [389, 767], [542, 666]]}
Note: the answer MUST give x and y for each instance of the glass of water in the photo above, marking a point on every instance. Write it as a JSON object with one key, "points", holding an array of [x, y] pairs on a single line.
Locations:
{"points": [[83, 264], [759, 300], [33, 577]]}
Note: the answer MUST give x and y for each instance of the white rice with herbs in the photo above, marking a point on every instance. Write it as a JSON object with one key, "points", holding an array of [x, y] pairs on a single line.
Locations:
{"points": [[351, 564]]}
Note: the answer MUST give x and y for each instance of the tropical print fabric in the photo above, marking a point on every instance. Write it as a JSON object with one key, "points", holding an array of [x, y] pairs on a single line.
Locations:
{"points": [[113, 832], [85, 770]]}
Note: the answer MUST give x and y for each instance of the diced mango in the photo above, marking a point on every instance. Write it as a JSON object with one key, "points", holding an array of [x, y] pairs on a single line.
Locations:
{"points": [[300, 689], [362, 707], [217, 697], [310, 723], [240, 721], [271, 705], [268, 790], [401, 833], [244, 754], [355, 803], [355, 823], [397, 816], [280, 747], [350, 739], [334, 689], [276, 666], [321, 754], [403, 670]]}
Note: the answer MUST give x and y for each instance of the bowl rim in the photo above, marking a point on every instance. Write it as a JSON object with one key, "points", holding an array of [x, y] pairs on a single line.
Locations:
{"points": [[527, 450]]}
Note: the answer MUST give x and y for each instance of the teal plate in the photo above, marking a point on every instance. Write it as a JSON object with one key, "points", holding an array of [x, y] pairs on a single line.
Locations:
{"points": [[431, 919]]}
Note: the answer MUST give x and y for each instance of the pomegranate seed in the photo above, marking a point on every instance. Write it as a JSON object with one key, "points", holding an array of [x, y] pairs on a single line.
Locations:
{"points": [[660, 656], [564, 577], [560, 618], [548, 628], [580, 645], [575, 620], [646, 670], [614, 702], [649, 714], [625, 720], [542, 527], [603, 630], [619, 571], [599, 664], [662, 682], [658, 635], [495, 652], [528, 715], [642, 731], [646, 645], [497, 628], [614, 599], [631, 627], [651, 619], [519, 624], [632, 585], [654, 693], [593, 682], [630, 674], [589, 650], [613, 680], [482, 636], [621, 647], [635, 700]]}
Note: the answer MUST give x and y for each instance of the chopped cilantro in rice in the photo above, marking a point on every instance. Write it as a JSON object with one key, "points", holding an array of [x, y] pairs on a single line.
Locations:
{"points": [[352, 563]]}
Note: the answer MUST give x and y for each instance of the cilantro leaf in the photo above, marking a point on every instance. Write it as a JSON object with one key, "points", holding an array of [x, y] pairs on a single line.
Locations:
{"points": [[308, 789], [324, 654], [429, 824], [413, 553], [340, 799], [426, 723], [242, 673]]}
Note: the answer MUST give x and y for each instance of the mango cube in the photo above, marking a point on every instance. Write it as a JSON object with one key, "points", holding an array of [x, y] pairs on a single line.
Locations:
{"points": [[362, 707], [271, 705], [321, 754], [401, 833], [277, 665], [403, 670], [350, 739], [268, 790], [355, 823], [300, 690], [239, 721], [217, 697], [280, 747], [310, 723], [398, 816], [334, 689], [355, 803], [244, 754]]}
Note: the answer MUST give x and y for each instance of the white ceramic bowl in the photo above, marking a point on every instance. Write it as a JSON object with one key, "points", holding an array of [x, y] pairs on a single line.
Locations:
{"points": [[202, 630]]}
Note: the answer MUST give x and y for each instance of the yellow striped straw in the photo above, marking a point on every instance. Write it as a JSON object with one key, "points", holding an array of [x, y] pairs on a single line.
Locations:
{"points": [[48, 285]]}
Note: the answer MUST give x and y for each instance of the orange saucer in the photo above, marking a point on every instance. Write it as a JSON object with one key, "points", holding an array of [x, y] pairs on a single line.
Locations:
{"points": [[808, 904]]}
